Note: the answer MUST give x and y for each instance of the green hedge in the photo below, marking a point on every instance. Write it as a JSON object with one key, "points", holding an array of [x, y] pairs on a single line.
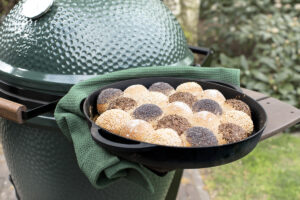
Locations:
{"points": [[260, 37]]}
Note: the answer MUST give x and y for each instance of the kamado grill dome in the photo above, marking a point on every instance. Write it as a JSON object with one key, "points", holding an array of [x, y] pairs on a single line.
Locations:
{"points": [[76, 39]]}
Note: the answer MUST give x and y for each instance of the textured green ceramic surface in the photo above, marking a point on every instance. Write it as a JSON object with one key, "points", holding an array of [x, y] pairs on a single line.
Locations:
{"points": [[89, 37], [43, 166]]}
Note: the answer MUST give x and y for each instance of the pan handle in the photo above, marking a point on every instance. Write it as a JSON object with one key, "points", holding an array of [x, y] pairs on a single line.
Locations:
{"points": [[11, 110], [97, 135], [226, 85]]}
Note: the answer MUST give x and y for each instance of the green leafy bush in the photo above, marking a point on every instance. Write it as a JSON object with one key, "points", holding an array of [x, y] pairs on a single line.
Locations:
{"points": [[260, 37]]}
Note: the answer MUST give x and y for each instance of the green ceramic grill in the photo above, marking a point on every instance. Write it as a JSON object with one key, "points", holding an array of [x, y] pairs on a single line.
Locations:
{"points": [[77, 39], [47, 48]]}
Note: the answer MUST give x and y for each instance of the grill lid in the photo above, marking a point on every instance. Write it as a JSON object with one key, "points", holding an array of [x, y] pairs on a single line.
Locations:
{"points": [[77, 39]]}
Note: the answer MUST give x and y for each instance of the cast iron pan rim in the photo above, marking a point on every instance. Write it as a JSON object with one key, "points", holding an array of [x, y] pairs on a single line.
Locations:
{"points": [[149, 145]]}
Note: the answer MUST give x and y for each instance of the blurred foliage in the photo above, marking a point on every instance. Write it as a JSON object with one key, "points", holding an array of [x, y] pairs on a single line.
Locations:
{"points": [[5, 6], [260, 37]]}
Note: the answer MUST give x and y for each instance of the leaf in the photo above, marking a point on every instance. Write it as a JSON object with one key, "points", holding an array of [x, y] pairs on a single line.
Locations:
{"points": [[244, 62], [260, 86], [223, 59], [297, 68], [296, 78], [288, 87], [281, 76], [269, 62], [260, 76]]}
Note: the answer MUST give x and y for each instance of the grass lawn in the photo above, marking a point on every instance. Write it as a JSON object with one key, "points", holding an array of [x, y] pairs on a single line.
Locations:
{"points": [[271, 171]]}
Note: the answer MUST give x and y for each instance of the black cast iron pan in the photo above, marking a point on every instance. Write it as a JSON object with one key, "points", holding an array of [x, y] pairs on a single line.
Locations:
{"points": [[166, 158]]}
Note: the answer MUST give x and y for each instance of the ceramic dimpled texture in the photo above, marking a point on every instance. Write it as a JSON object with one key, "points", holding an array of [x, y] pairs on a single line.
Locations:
{"points": [[43, 166], [93, 37]]}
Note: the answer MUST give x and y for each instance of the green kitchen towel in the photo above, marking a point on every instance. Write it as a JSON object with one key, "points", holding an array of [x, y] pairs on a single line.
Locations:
{"points": [[100, 167]]}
